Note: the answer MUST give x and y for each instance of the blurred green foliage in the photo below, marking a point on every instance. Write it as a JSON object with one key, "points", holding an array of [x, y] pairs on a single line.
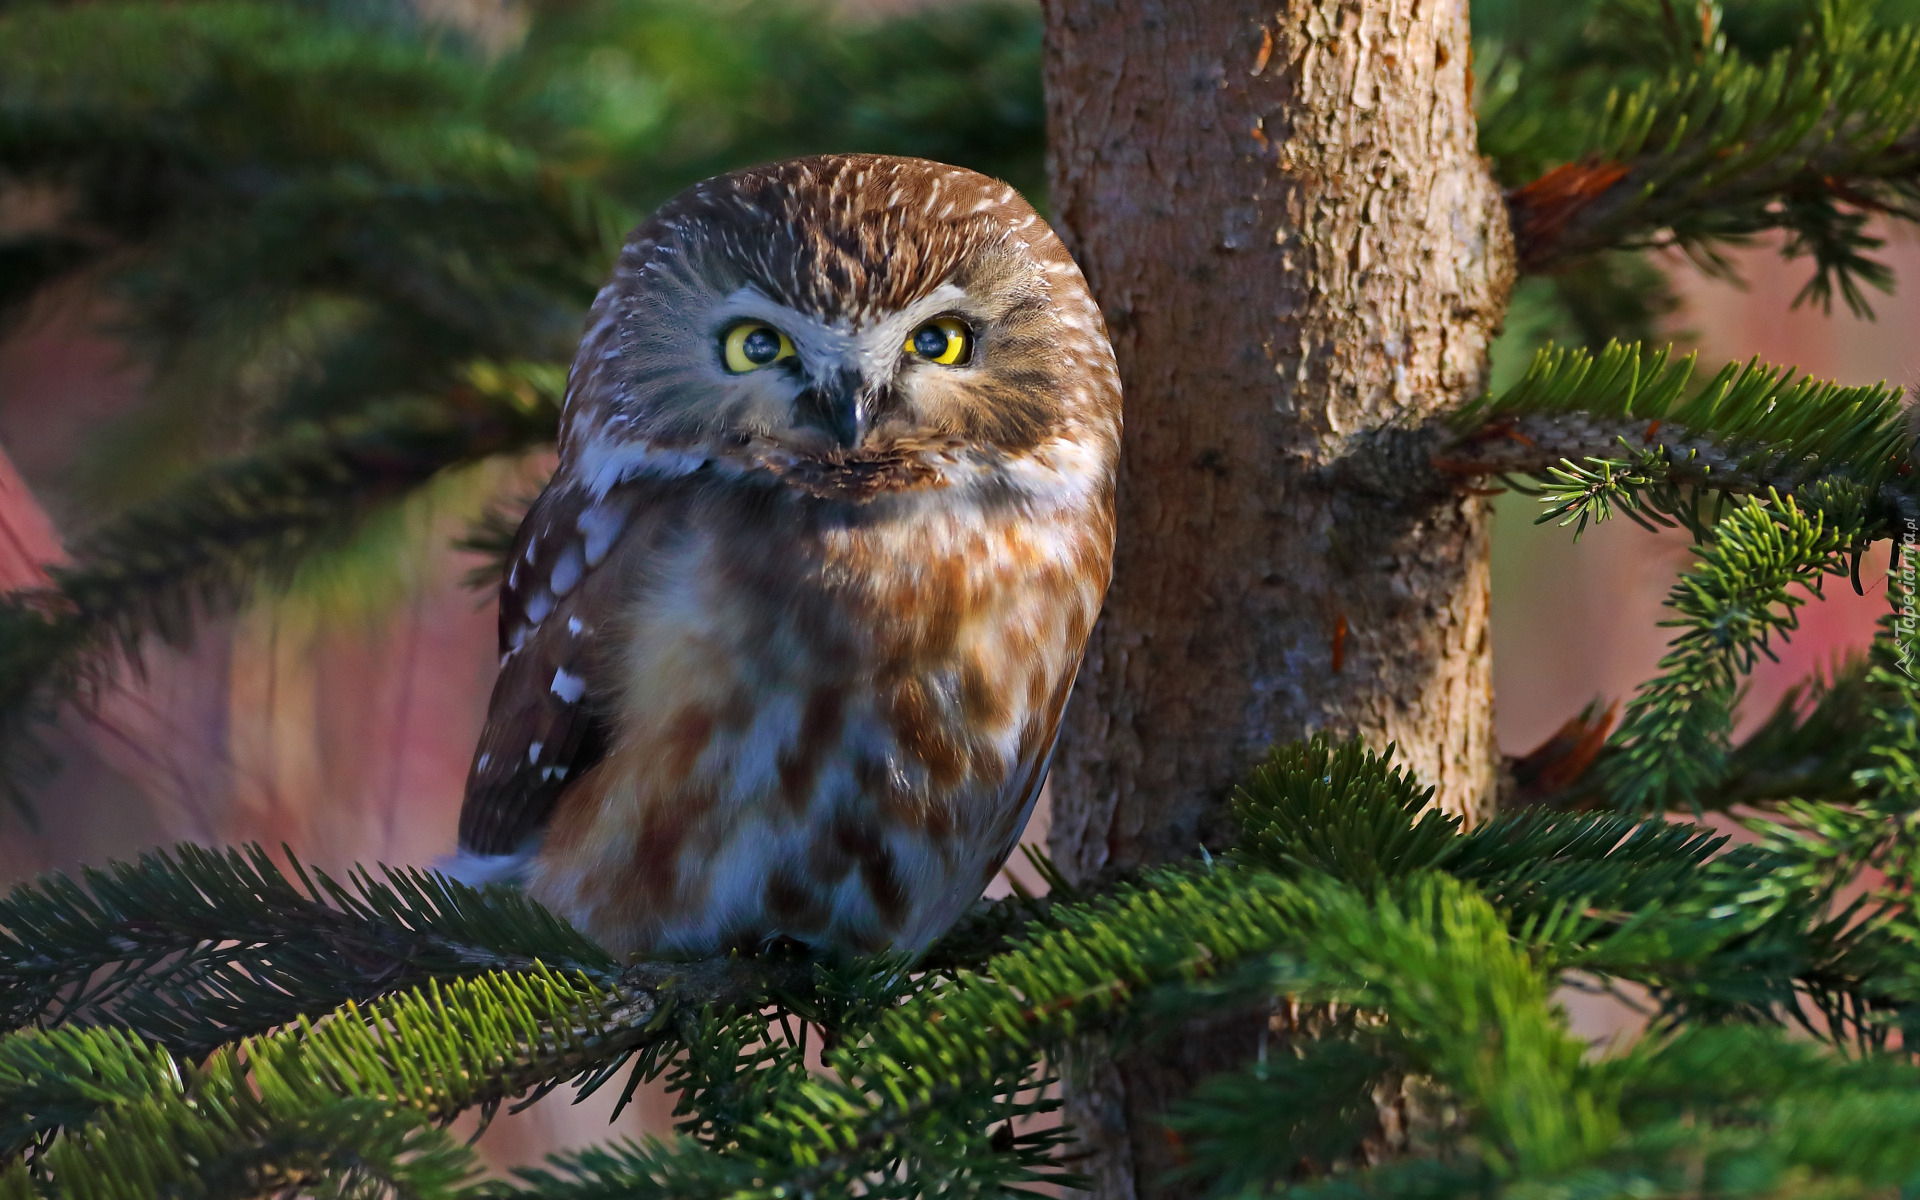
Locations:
{"points": [[300, 214], [1554, 65]]}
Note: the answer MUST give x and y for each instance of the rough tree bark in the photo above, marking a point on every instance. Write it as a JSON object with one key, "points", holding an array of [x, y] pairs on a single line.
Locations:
{"points": [[1282, 210]]}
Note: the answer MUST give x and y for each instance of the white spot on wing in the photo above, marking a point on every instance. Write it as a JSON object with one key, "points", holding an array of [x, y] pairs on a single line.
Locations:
{"points": [[478, 870], [567, 571], [533, 751], [568, 687], [605, 463], [539, 605], [600, 524]]}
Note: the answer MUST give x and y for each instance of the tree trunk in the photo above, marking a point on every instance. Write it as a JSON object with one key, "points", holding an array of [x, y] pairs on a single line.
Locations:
{"points": [[1282, 211]]}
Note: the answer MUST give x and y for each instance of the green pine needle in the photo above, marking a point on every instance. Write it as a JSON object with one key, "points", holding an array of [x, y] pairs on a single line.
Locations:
{"points": [[1629, 428], [195, 948], [1816, 140], [344, 1106], [1764, 563], [203, 545]]}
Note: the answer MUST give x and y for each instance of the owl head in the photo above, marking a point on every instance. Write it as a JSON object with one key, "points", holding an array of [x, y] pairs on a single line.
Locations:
{"points": [[851, 324]]}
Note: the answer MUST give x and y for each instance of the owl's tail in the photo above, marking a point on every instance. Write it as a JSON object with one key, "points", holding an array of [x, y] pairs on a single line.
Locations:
{"points": [[479, 870]]}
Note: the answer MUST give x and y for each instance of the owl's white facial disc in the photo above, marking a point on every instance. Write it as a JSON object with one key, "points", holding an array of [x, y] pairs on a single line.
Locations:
{"points": [[843, 387]]}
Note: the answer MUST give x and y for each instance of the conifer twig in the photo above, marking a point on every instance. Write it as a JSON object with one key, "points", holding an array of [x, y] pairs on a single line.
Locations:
{"points": [[201, 547], [1630, 427], [195, 948], [1816, 141]]}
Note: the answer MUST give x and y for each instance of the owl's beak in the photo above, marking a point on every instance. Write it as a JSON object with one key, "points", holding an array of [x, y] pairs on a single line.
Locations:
{"points": [[842, 409]]}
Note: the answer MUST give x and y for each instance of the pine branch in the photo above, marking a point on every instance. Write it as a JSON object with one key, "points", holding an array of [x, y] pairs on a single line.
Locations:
{"points": [[1349, 814], [202, 547], [1815, 141], [1713, 932], [1625, 429], [1804, 750], [1307, 1104], [1832, 465], [927, 1070], [1835, 466], [1673, 742], [1345, 812], [1741, 934], [59, 1079], [450, 1044], [1777, 1105], [248, 152], [1096, 968], [195, 949], [910, 1116], [1725, 1111], [198, 948], [1532, 863], [348, 1103], [340, 260], [1807, 752], [1803, 753], [205, 543], [296, 1108], [329, 1148], [1882, 831], [412, 1058]]}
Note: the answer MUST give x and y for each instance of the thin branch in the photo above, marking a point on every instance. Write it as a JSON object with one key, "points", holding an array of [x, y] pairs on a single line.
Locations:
{"points": [[1630, 427], [1815, 141], [202, 547]]}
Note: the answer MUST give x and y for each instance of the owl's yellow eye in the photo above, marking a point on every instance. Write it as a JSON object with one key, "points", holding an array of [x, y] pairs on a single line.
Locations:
{"points": [[751, 345], [943, 340]]}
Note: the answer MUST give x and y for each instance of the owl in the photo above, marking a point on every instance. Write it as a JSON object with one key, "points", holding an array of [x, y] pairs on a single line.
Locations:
{"points": [[786, 639]]}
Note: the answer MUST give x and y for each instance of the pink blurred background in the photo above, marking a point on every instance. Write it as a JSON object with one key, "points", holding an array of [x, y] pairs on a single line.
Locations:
{"points": [[1572, 622], [339, 719]]}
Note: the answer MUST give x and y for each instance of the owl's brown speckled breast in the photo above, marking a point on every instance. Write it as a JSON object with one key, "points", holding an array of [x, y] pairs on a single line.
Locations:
{"points": [[832, 730]]}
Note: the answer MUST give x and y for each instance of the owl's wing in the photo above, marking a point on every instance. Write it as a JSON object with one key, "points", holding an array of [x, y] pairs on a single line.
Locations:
{"points": [[547, 721]]}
